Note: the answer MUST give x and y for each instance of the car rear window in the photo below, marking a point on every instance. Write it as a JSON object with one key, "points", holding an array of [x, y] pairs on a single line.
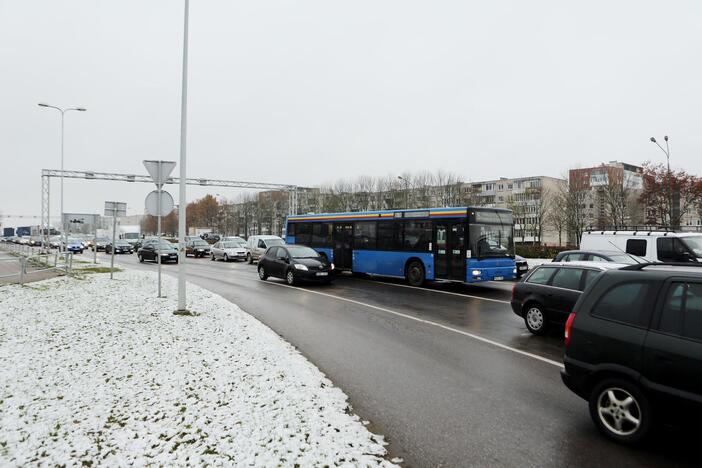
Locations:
{"points": [[682, 311], [567, 278], [626, 303], [541, 275]]}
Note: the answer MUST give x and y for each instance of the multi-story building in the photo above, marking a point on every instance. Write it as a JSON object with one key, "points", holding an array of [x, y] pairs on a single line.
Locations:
{"points": [[611, 194], [530, 199]]}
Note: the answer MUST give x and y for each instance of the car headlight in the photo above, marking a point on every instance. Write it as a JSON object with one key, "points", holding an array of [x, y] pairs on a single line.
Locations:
{"points": [[301, 267], [331, 266], [476, 272]]}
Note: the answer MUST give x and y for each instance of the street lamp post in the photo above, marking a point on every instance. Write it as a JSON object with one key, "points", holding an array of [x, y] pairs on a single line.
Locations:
{"points": [[668, 177], [406, 191], [63, 112], [183, 173]]}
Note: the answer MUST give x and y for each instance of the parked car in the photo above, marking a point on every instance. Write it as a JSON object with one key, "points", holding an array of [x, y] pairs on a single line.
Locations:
{"points": [[598, 256], [25, 240], [228, 250], [295, 263], [547, 295], [150, 248], [75, 245], [121, 247], [522, 265], [663, 246], [257, 245], [197, 248], [634, 349]]}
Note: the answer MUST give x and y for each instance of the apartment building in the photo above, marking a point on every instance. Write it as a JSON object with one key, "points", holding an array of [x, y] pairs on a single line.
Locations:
{"points": [[612, 191], [531, 200]]}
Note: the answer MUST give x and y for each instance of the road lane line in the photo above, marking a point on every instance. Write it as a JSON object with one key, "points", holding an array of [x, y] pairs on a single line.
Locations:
{"points": [[433, 290], [427, 322]]}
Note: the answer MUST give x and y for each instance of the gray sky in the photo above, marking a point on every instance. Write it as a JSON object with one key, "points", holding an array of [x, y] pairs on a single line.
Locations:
{"points": [[305, 92]]}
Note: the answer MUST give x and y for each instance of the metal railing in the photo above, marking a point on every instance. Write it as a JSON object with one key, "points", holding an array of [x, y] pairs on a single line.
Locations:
{"points": [[25, 261]]}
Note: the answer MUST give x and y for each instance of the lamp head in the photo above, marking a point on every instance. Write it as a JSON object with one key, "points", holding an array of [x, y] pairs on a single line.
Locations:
{"points": [[653, 139]]}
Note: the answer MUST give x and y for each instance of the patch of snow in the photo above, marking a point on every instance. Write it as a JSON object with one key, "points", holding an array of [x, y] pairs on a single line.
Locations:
{"points": [[101, 372]]}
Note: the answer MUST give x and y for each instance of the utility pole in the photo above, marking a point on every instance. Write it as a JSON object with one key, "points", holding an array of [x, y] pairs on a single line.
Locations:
{"points": [[183, 173]]}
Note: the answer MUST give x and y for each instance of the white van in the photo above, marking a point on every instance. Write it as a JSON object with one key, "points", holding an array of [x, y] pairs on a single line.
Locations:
{"points": [[256, 245], [655, 246]]}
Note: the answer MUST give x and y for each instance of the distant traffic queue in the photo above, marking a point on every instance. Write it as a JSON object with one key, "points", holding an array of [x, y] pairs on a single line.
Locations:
{"points": [[459, 244]]}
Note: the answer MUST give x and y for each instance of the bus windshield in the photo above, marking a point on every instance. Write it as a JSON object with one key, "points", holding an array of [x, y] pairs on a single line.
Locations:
{"points": [[491, 240], [491, 234]]}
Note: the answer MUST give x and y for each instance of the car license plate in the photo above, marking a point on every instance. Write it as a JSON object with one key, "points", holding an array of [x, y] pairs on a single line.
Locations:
{"points": [[522, 268], [499, 278], [322, 273]]}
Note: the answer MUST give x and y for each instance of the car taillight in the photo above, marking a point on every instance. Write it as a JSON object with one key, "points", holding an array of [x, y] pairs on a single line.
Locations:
{"points": [[514, 291], [569, 328]]}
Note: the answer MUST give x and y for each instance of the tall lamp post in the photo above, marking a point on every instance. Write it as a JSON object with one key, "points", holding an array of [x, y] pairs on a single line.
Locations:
{"points": [[406, 190], [666, 150], [63, 113], [183, 173]]}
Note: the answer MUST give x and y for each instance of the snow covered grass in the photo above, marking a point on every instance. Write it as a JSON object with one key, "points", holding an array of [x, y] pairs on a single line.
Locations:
{"points": [[100, 372]]}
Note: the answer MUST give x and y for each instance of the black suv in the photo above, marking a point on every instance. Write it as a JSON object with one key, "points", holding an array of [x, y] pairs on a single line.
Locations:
{"points": [[634, 348]]}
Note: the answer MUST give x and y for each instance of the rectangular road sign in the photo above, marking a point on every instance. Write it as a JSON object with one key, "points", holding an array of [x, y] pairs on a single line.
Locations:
{"points": [[116, 209]]}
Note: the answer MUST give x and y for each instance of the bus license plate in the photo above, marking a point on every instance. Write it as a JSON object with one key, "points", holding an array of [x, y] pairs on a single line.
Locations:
{"points": [[499, 278], [322, 273]]}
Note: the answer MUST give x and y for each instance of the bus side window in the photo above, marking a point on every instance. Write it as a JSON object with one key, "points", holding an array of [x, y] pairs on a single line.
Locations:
{"points": [[291, 229], [303, 233], [322, 234], [389, 235]]}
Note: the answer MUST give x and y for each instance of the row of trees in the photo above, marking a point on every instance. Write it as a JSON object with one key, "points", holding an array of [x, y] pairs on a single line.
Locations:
{"points": [[656, 197]]}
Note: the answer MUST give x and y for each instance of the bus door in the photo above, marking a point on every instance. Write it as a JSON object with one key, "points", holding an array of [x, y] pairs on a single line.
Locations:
{"points": [[343, 238], [450, 249]]}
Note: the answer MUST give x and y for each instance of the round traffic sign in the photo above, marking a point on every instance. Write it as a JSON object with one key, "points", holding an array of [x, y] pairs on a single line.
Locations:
{"points": [[152, 203]]}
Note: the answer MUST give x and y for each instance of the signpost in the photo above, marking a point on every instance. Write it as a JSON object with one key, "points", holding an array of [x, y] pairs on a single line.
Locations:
{"points": [[159, 203], [114, 209]]}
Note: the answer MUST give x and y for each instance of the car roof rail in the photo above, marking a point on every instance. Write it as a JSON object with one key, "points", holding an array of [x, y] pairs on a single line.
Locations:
{"points": [[641, 266]]}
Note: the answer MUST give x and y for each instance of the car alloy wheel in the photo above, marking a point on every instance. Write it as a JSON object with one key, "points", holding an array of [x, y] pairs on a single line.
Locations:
{"points": [[620, 410], [212, 257], [249, 258], [141, 259], [226, 257], [535, 320], [290, 278], [262, 273]]}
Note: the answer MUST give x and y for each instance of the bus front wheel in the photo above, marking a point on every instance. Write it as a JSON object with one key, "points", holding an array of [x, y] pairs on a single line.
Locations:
{"points": [[415, 274]]}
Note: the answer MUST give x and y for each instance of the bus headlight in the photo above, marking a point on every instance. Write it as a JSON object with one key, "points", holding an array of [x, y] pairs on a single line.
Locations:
{"points": [[331, 266], [476, 272], [515, 270], [299, 266]]}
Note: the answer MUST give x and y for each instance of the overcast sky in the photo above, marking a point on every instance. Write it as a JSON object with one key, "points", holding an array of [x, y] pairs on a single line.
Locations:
{"points": [[304, 92]]}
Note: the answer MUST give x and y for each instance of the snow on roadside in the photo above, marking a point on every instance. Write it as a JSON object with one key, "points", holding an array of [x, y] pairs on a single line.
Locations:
{"points": [[101, 372]]}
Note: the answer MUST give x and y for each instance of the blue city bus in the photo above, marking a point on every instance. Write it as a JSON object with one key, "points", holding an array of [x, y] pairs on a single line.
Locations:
{"points": [[456, 244]]}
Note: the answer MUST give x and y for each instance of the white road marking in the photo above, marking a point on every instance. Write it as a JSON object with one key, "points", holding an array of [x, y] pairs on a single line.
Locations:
{"points": [[434, 290], [427, 322]]}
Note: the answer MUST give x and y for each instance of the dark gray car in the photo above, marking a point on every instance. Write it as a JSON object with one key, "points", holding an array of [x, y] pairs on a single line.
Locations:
{"points": [[549, 292]]}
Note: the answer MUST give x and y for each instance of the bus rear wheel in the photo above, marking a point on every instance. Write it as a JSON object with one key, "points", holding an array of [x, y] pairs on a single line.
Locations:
{"points": [[414, 274]]}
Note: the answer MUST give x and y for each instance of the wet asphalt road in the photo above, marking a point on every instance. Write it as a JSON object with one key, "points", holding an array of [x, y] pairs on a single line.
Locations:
{"points": [[437, 370]]}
